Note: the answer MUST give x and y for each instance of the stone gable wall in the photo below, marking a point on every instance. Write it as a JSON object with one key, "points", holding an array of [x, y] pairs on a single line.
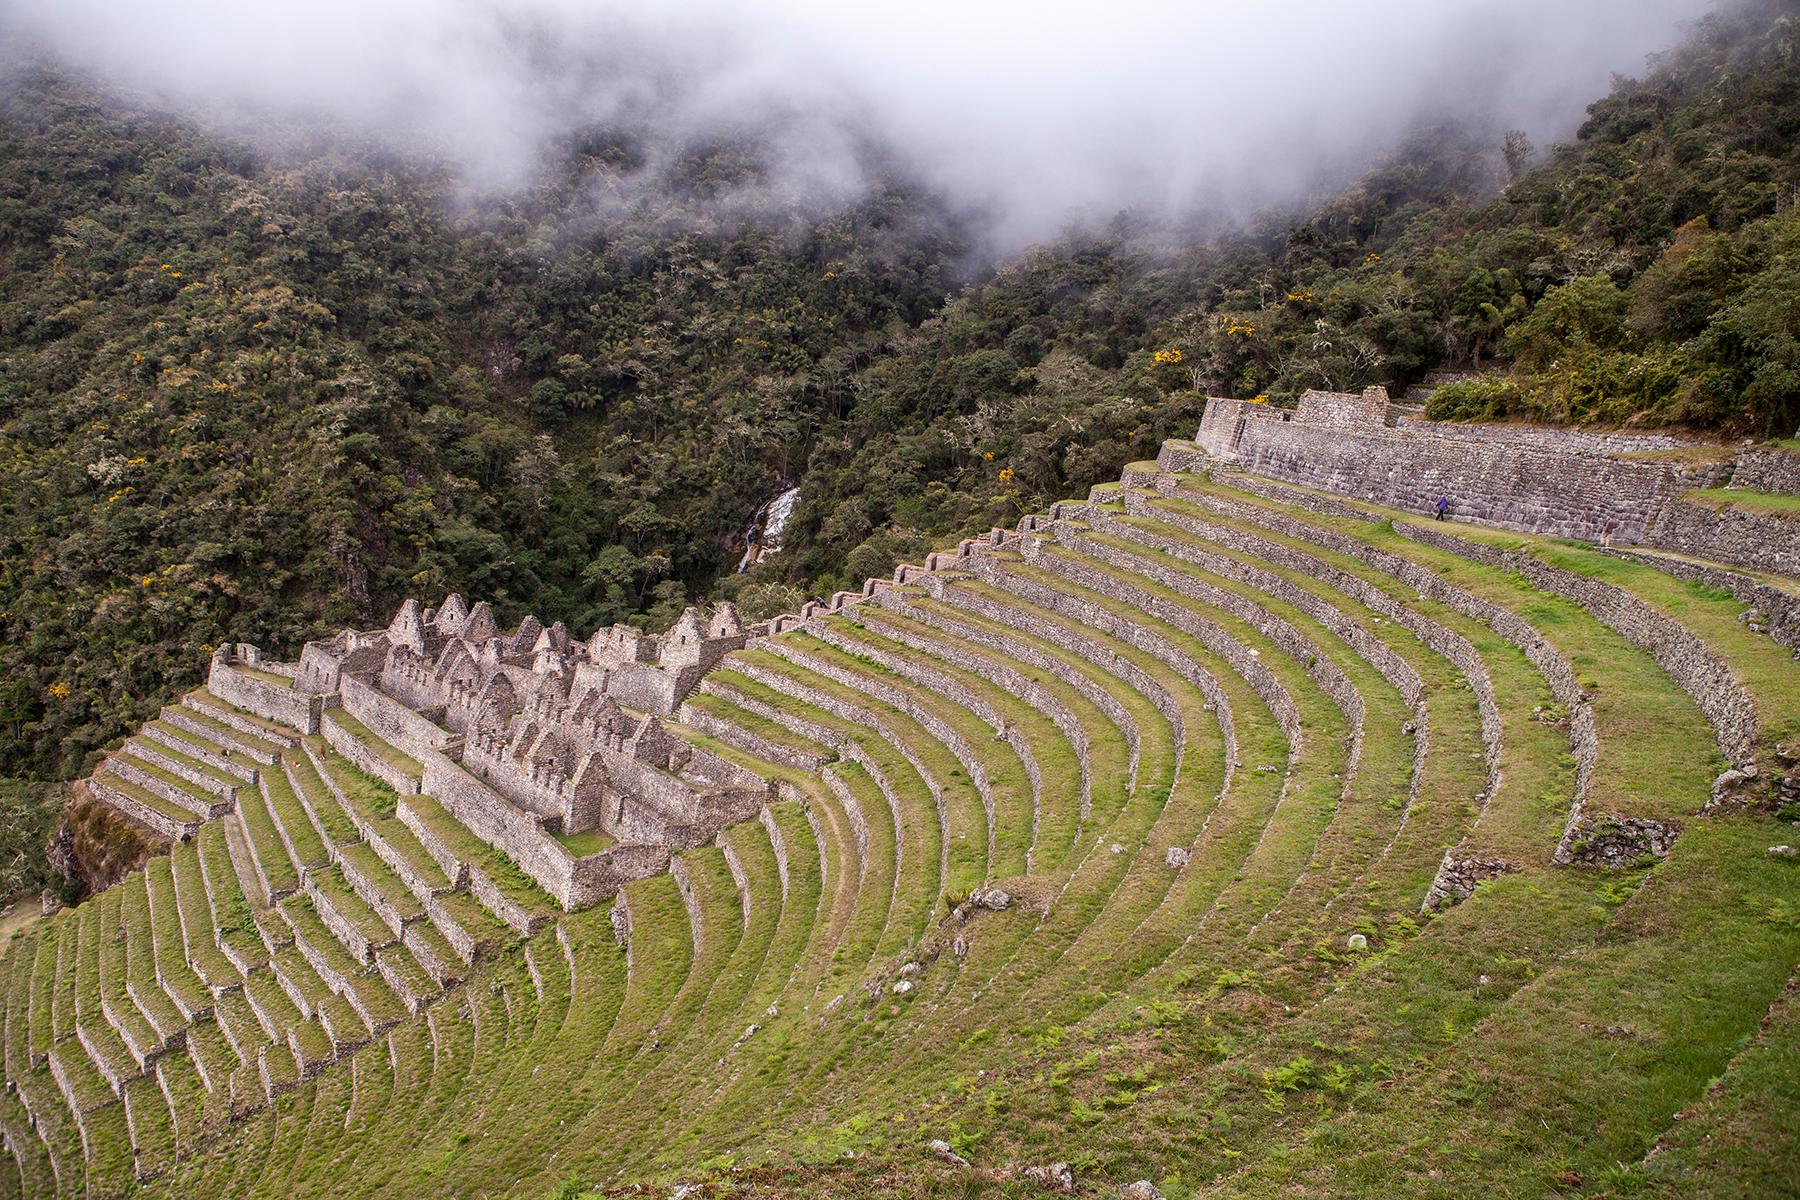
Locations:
{"points": [[1343, 410]]}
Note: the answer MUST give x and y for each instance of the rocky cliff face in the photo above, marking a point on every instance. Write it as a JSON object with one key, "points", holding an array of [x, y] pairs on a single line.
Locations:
{"points": [[94, 847]]}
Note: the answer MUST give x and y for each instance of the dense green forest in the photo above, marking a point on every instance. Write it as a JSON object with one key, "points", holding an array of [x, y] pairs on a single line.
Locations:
{"points": [[257, 394]]}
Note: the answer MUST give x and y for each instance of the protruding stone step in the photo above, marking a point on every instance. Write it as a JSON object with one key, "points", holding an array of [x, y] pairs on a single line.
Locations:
{"points": [[293, 823], [311, 1047], [375, 1002], [275, 1013], [198, 772], [323, 952], [303, 985], [145, 807], [400, 849], [369, 877], [343, 1025], [268, 860], [176, 790], [198, 748], [277, 1070], [415, 988], [244, 722], [465, 858], [235, 742], [434, 953], [233, 917], [107, 1053], [244, 862], [198, 934], [84, 1088], [211, 1054], [179, 982], [348, 917]]}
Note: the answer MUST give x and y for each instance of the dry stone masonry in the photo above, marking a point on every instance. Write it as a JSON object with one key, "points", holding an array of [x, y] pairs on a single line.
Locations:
{"points": [[1220, 704], [527, 736], [1561, 482]]}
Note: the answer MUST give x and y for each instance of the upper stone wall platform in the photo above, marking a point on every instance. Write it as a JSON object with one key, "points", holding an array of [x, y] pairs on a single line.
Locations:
{"points": [[1561, 482]]}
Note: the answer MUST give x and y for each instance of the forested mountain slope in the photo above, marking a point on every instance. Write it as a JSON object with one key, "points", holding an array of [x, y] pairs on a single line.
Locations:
{"points": [[256, 393]]}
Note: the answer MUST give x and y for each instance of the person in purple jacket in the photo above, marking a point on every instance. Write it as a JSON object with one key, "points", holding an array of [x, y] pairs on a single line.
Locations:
{"points": [[1443, 506]]}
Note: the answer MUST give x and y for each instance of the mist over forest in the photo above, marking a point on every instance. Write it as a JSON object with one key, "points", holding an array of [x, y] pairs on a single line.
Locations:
{"points": [[1027, 117]]}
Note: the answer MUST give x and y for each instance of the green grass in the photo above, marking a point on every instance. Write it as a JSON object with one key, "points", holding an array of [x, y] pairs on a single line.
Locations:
{"points": [[286, 681], [588, 841], [385, 750], [1768, 504], [1208, 1028]]}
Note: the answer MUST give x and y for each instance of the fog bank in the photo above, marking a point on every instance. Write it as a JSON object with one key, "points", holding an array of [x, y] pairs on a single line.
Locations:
{"points": [[1034, 112]]}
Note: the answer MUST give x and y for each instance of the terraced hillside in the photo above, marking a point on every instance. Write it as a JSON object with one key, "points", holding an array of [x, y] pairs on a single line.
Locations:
{"points": [[1208, 832]]}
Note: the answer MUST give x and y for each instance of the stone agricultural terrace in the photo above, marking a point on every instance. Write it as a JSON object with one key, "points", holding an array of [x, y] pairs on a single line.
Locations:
{"points": [[1560, 482], [1238, 828]]}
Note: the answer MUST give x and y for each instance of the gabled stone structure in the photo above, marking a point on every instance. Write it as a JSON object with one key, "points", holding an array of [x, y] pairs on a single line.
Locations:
{"points": [[530, 734]]}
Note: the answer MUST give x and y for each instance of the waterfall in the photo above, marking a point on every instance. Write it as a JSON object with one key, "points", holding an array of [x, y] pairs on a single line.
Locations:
{"points": [[763, 537]]}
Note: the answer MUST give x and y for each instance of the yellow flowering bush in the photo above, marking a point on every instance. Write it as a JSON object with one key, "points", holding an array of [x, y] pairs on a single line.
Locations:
{"points": [[1171, 355]]}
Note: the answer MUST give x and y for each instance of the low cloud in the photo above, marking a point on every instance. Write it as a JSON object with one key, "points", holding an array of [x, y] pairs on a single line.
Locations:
{"points": [[1035, 113]]}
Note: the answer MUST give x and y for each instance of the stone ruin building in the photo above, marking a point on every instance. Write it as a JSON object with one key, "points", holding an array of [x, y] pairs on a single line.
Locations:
{"points": [[527, 735]]}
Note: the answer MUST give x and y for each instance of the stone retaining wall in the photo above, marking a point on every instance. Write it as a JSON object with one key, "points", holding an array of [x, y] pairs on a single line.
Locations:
{"points": [[858, 715], [366, 759], [1434, 634], [1558, 673], [1774, 611], [748, 739], [1318, 666], [267, 700], [392, 721], [944, 684], [573, 882], [1019, 650], [1014, 682], [1751, 539], [1566, 483], [1768, 470], [932, 724], [1208, 633], [1700, 672]]}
